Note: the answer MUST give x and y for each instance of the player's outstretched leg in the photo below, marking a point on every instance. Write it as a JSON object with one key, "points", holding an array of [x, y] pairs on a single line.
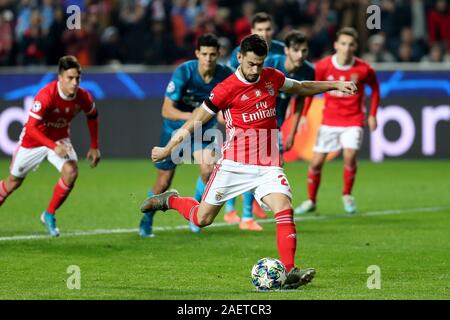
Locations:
{"points": [[199, 188], [201, 214], [64, 186], [286, 235]]}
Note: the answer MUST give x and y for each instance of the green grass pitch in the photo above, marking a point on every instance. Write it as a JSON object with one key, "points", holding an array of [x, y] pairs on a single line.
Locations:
{"points": [[403, 227]]}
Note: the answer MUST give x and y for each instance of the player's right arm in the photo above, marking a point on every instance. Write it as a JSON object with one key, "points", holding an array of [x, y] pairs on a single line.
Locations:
{"points": [[170, 111], [199, 116], [374, 100], [218, 100]]}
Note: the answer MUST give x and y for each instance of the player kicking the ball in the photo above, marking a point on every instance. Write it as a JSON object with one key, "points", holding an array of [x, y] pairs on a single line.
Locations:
{"points": [[343, 117], [250, 156], [46, 135]]}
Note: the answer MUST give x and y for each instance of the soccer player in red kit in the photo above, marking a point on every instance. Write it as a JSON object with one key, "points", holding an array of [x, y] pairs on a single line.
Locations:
{"points": [[46, 135], [250, 156], [343, 117]]}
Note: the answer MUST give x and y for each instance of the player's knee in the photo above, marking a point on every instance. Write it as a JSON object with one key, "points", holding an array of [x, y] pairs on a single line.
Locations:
{"points": [[14, 183], [350, 162], [205, 221], [282, 205], [316, 166], [70, 172]]}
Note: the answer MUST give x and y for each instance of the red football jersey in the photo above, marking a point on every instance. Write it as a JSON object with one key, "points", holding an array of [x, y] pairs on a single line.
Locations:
{"points": [[344, 110], [55, 112], [249, 110]]}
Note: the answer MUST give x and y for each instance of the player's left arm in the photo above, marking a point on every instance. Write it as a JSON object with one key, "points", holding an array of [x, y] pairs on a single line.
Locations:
{"points": [[199, 117], [308, 88], [93, 154], [372, 81]]}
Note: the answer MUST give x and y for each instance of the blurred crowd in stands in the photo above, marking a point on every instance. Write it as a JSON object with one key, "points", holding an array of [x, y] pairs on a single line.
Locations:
{"points": [[164, 32]]}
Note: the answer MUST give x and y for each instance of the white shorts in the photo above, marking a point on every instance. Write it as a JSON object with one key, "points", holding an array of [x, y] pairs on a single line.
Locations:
{"points": [[231, 179], [335, 138], [26, 159]]}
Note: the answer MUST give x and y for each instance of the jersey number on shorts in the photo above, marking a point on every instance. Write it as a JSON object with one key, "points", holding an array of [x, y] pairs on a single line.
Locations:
{"points": [[283, 180]]}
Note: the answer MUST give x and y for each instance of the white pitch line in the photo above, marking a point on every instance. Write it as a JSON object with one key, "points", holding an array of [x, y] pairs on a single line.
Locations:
{"points": [[224, 224]]}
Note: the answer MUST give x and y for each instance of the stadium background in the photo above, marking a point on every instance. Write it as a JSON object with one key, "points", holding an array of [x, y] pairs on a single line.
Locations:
{"points": [[403, 204], [128, 77], [411, 124]]}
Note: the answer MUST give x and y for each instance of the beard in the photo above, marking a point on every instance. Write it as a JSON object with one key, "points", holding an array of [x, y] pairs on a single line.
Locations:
{"points": [[251, 78]]}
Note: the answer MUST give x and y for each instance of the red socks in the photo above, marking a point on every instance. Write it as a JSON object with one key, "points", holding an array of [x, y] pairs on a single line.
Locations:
{"points": [[3, 193], [286, 237], [60, 194], [314, 181], [349, 179], [313, 184], [186, 206]]}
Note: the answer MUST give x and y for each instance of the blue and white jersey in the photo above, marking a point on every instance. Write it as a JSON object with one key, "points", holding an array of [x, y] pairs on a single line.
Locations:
{"points": [[188, 89], [305, 72], [277, 47]]}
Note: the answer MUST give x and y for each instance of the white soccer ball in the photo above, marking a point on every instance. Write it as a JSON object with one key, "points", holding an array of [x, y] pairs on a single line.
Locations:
{"points": [[268, 274]]}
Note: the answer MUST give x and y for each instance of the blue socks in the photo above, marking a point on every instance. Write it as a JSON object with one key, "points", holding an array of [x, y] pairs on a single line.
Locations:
{"points": [[247, 213], [230, 205]]}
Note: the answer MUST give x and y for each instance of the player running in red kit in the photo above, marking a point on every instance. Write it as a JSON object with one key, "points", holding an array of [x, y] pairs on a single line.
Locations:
{"points": [[46, 135], [343, 117], [250, 155]]}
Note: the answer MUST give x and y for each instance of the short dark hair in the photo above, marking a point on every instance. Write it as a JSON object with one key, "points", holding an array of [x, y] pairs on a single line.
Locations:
{"points": [[254, 43], [294, 38], [208, 40], [261, 17], [348, 31], [68, 62]]}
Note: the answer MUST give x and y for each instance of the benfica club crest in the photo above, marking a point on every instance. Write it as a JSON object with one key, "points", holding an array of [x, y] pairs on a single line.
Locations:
{"points": [[219, 195], [269, 88], [354, 77]]}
